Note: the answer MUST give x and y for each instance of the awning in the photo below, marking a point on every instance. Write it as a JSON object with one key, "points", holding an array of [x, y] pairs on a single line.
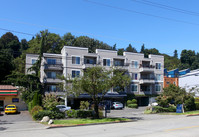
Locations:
{"points": [[8, 92]]}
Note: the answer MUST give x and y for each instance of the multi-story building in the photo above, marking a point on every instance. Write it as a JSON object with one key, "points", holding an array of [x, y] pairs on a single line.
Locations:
{"points": [[146, 73]]}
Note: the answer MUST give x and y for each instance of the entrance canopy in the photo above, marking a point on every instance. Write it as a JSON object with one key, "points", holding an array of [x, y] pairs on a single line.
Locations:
{"points": [[8, 90]]}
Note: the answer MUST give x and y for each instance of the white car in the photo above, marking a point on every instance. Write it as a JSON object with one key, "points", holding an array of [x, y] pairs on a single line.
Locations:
{"points": [[63, 108], [117, 105]]}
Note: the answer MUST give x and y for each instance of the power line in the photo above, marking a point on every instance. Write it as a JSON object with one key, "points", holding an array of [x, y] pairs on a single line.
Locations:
{"points": [[158, 5], [142, 13], [17, 32]]}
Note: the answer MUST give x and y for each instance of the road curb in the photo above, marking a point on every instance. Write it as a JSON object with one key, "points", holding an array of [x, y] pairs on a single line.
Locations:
{"points": [[192, 115], [62, 126]]}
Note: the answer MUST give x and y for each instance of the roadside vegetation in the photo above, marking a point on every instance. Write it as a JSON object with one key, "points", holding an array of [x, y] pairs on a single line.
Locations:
{"points": [[171, 97], [88, 121]]}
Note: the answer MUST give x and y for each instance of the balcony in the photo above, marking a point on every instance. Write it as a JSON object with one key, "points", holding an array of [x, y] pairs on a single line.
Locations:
{"points": [[122, 65], [146, 68], [52, 80], [53, 66], [88, 65], [147, 81]]}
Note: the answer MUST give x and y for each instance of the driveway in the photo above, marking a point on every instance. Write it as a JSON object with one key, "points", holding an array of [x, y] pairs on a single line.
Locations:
{"points": [[22, 121]]}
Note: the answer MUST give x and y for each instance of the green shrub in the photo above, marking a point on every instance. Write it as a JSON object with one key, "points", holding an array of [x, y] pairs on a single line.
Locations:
{"points": [[129, 102], [50, 102], [36, 109], [30, 106], [37, 99], [159, 109], [189, 104], [101, 115], [84, 105], [132, 105], [71, 113], [84, 113], [197, 105], [134, 101], [197, 99], [51, 114], [171, 109]]}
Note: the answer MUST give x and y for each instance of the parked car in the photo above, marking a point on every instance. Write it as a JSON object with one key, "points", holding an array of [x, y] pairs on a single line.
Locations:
{"points": [[11, 109], [63, 108], [117, 105]]}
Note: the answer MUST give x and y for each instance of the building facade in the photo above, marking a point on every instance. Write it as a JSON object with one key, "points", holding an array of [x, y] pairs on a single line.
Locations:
{"points": [[10, 95], [146, 73], [190, 82]]}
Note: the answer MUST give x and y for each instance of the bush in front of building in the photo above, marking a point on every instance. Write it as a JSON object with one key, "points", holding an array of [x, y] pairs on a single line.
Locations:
{"points": [[71, 113], [159, 109], [51, 114], [84, 105], [50, 102], [197, 103], [189, 103], [132, 103], [37, 99], [36, 109], [84, 113]]}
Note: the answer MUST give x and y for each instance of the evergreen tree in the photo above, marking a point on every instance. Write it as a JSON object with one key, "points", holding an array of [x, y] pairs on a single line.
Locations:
{"points": [[175, 54], [131, 49]]}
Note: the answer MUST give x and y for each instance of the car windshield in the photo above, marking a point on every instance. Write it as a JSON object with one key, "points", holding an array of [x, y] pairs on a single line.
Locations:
{"points": [[10, 106], [117, 103]]}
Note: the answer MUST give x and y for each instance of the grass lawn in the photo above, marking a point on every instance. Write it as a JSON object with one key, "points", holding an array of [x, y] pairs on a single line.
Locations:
{"points": [[185, 113], [70, 122]]}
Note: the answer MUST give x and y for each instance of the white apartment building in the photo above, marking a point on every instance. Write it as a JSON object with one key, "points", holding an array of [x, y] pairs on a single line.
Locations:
{"points": [[146, 73]]}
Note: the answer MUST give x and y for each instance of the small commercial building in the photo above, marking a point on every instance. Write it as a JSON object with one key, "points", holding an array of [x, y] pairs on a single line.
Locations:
{"points": [[190, 82], [170, 80], [10, 95]]}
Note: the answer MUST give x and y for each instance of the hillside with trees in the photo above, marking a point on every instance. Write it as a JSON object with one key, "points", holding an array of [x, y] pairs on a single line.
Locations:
{"points": [[13, 52]]}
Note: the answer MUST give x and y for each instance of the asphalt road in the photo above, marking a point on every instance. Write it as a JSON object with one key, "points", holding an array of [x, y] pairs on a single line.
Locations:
{"points": [[146, 126]]}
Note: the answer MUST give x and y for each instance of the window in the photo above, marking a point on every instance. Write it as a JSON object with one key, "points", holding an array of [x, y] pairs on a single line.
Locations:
{"points": [[51, 61], [168, 83], [158, 77], [174, 83], [134, 88], [34, 61], [134, 76], [106, 62], [51, 88], [134, 64], [75, 73], [75, 60], [158, 65], [157, 87], [118, 63], [15, 99], [51, 74]]}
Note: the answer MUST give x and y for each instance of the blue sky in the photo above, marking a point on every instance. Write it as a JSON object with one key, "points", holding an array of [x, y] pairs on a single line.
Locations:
{"points": [[111, 21]]}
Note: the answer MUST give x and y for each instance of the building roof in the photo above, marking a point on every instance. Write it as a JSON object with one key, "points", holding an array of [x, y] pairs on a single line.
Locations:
{"points": [[4, 87]]}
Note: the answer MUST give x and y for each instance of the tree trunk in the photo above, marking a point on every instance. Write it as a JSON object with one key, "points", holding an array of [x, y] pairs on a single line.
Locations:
{"points": [[96, 115]]}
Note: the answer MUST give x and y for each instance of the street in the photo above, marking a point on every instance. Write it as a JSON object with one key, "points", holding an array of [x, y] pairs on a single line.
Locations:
{"points": [[162, 126]]}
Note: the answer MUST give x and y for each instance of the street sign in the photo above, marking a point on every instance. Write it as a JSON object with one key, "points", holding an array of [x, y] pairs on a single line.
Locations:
{"points": [[179, 108]]}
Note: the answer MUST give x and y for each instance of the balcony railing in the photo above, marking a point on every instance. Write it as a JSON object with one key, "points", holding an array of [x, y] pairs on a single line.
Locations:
{"points": [[146, 68], [52, 80], [53, 66]]}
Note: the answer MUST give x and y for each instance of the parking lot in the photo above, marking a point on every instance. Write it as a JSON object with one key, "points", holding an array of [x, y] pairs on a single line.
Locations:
{"points": [[21, 121], [138, 114]]}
